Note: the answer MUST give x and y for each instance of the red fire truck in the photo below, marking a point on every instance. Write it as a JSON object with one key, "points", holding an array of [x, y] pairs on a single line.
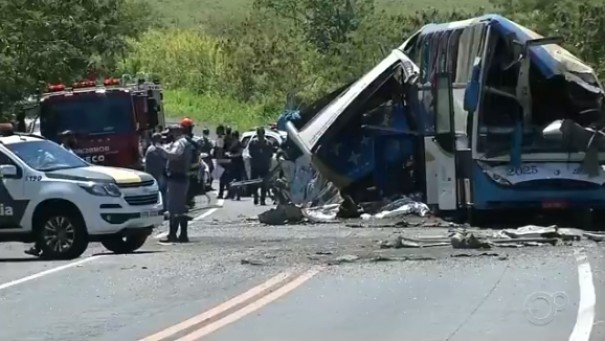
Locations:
{"points": [[110, 118]]}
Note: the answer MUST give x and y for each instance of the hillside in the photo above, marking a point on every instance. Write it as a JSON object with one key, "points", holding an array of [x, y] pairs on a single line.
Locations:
{"points": [[213, 13]]}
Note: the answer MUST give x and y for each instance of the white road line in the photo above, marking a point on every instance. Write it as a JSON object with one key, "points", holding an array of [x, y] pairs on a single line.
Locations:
{"points": [[219, 203], [586, 307], [47, 272]]}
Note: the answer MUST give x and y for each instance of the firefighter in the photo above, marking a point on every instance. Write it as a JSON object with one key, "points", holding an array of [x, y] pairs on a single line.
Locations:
{"points": [[179, 155], [261, 153], [194, 169], [155, 164]]}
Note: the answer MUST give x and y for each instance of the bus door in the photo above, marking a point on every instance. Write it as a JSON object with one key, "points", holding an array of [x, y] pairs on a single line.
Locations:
{"points": [[445, 143]]}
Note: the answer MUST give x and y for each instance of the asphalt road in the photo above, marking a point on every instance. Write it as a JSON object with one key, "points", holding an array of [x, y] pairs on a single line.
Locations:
{"points": [[238, 280]]}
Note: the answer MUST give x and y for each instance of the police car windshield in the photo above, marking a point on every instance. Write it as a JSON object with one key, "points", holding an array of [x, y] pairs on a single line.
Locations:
{"points": [[45, 155], [90, 114]]}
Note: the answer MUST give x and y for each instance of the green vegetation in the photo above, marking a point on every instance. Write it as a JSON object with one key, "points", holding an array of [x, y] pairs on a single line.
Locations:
{"points": [[236, 61], [216, 15], [52, 40]]}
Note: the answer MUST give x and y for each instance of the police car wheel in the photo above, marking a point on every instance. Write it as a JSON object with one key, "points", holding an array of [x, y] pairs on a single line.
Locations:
{"points": [[125, 244], [62, 236]]}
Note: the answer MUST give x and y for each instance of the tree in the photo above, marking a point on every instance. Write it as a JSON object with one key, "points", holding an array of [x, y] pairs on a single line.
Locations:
{"points": [[46, 41], [324, 22]]}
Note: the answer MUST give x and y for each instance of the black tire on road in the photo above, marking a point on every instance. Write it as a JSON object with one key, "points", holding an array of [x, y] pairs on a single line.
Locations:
{"points": [[125, 244], [61, 235]]}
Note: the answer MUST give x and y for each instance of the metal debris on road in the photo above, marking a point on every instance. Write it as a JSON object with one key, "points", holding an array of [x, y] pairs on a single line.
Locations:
{"points": [[344, 259], [596, 237], [249, 261], [534, 231], [467, 240], [481, 254]]}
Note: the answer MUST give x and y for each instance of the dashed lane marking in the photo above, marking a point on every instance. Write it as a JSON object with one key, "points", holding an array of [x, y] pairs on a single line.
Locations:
{"points": [[220, 203]]}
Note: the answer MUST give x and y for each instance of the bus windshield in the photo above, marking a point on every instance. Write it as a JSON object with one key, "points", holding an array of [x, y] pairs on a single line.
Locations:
{"points": [[88, 114]]}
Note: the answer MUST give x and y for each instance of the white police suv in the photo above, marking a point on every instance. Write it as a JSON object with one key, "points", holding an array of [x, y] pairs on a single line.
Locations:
{"points": [[52, 197]]}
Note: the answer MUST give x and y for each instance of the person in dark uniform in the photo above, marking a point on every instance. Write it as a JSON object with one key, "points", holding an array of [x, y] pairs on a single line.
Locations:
{"points": [[261, 153], [236, 168], [220, 151], [179, 156], [194, 169], [68, 140], [155, 164], [207, 146]]}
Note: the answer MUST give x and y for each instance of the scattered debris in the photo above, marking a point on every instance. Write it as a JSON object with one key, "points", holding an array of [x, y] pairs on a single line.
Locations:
{"points": [[249, 261], [324, 253], [482, 254], [344, 259], [399, 242], [596, 237], [467, 240], [282, 215], [533, 231], [399, 207]]}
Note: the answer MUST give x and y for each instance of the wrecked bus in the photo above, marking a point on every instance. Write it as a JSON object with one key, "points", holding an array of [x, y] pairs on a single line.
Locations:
{"points": [[475, 116]]}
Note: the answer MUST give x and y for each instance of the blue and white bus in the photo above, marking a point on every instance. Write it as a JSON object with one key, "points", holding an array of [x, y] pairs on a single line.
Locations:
{"points": [[476, 97]]}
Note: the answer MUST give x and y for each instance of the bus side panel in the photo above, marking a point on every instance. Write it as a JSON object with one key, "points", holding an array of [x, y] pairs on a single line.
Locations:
{"points": [[488, 195]]}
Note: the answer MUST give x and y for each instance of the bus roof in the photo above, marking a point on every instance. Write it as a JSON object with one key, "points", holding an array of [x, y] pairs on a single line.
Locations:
{"points": [[552, 60]]}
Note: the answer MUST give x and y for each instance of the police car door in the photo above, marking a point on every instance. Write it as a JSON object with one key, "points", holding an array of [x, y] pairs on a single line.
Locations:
{"points": [[13, 199]]}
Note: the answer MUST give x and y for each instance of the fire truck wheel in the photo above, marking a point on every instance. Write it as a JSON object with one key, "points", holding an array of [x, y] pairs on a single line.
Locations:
{"points": [[61, 235], [125, 244]]}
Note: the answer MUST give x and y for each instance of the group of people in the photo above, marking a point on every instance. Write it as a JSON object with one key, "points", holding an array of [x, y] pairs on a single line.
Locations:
{"points": [[182, 163]]}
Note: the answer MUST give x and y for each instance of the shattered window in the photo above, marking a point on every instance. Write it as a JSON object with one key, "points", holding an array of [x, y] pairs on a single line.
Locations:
{"points": [[470, 45], [452, 54]]}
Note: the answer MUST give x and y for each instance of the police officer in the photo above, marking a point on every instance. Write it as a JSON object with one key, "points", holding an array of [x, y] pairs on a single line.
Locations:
{"points": [[179, 155], [194, 169], [261, 153], [155, 163]]}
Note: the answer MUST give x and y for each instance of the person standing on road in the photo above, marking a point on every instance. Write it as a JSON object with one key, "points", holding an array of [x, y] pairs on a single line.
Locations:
{"points": [[155, 164], [179, 155], [261, 153], [222, 145], [194, 168], [236, 168], [207, 146]]}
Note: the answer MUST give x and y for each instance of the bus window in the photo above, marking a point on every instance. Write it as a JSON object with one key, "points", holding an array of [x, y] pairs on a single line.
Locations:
{"points": [[452, 53]]}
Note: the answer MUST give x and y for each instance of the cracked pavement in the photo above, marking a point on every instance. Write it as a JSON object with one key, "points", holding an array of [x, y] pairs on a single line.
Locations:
{"points": [[357, 291]]}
